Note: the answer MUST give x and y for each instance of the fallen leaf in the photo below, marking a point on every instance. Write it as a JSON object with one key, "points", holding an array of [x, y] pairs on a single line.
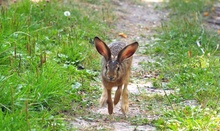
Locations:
{"points": [[218, 31], [206, 14], [122, 35]]}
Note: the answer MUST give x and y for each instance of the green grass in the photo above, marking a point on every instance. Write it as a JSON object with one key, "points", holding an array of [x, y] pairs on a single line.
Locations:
{"points": [[42, 53], [48, 64], [192, 70]]}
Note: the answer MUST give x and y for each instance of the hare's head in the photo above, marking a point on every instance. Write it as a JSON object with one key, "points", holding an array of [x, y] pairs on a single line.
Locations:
{"points": [[114, 66]]}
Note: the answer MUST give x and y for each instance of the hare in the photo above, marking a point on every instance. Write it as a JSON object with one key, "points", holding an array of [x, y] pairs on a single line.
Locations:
{"points": [[116, 67]]}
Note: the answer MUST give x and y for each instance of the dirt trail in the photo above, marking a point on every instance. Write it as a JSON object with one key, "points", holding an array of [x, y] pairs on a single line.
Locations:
{"points": [[138, 22]]}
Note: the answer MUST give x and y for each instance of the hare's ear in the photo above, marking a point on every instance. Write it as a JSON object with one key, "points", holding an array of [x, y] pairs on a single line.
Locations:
{"points": [[127, 52], [102, 48]]}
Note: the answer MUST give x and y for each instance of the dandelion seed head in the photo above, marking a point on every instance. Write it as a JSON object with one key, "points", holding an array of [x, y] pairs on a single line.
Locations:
{"points": [[67, 13]]}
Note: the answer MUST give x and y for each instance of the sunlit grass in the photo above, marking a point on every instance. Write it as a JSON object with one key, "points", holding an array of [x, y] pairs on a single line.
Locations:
{"points": [[187, 55], [46, 62]]}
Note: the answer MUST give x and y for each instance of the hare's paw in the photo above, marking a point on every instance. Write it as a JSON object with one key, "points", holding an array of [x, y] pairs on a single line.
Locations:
{"points": [[124, 109]]}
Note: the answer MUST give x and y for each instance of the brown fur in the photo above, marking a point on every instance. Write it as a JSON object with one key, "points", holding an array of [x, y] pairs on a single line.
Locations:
{"points": [[116, 68]]}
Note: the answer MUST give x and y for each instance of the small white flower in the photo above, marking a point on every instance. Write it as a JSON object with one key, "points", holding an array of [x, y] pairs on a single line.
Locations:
{"points": [[67, 13]]}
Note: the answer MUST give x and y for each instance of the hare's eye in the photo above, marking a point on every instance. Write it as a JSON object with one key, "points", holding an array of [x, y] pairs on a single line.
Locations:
{"points": [[106, 67], [118, 68]]}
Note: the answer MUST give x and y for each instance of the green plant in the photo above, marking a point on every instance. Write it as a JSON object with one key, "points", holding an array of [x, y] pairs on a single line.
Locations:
{"points": [[187, 55], [44, 68]]}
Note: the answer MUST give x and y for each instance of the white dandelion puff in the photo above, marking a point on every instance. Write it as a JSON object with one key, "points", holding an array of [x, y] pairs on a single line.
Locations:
{"points": [[67, 13]]}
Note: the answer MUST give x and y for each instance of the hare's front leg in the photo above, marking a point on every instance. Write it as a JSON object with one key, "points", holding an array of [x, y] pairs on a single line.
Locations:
{"points": [[109, 102], [104, 97], [117, 95], [124, 104]]}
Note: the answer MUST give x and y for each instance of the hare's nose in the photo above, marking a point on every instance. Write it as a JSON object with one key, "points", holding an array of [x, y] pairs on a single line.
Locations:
{"points": [[111, 78]]}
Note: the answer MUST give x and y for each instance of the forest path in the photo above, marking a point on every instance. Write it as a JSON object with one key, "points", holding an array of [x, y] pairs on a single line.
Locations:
{"points": [[138, 22]]}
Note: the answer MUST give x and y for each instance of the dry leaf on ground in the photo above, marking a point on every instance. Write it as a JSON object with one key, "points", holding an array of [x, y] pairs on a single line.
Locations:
{"points": [[122, 35], [206, 14], [218, 31]]}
